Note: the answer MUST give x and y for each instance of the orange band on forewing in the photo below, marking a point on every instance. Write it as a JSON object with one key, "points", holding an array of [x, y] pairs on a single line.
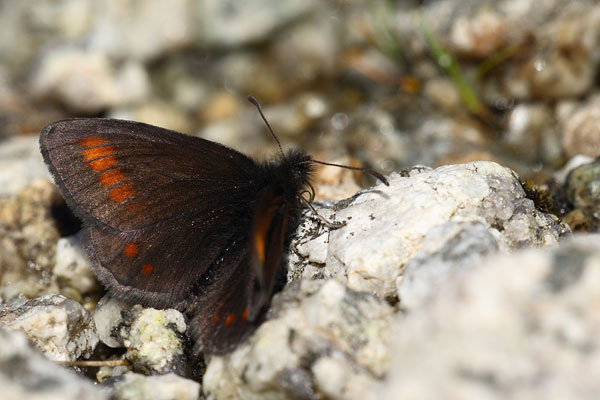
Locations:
{"points": [[245, 314], [147, 268], [102, 163], [92, 141], [121, 193], [97, 152], [215, 319], [98, 156], [111, 177]]}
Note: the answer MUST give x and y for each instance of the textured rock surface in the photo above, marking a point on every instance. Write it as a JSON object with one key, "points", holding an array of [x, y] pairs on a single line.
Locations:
{"points": [[364, 84], [163, 387], [28, 235], [517, 326], [107, 318], [232, 23], [72, 268], [61, 328], [321, 340], [154, 339], [581, 134], [20, 163], [422, 214], [87, 81], [25, 374]]}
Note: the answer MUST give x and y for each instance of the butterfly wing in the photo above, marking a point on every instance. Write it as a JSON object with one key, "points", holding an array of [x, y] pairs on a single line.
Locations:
{"points": [[161, 210], [128, 175], [221, 318], [233, 307]]}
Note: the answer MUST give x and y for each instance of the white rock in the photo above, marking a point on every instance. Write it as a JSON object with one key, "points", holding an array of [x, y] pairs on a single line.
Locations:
{"points": [[107, 317], [72, 265], [88, 81], [321, 337], [25, 374], [20, 163], [232, 23], [61, 328], [387, 226], [161, 387], [517, 326], [154, 339]]}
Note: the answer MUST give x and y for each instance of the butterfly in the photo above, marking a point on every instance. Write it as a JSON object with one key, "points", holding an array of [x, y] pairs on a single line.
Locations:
{"points": [[175, 221]]}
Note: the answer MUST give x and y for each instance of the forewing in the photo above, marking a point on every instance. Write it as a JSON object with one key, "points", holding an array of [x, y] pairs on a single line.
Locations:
{"points": [[159, 208], [130, 175]]}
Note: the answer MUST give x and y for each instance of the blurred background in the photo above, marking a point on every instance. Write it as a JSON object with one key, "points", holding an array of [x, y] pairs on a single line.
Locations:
{"points": [[383, 84]]}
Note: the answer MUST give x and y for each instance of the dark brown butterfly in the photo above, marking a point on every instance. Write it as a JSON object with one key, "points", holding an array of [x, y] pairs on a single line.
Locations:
{"points": [[175, 221]]}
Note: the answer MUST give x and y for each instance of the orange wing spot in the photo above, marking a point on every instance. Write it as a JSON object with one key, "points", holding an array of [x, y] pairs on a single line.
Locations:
{"points": [[131, 249], [147, 268], [216, 319], [121, 193], [92, 141], [112, 177], [102, 164], [229, 320], [97, 152], [245, 314]]}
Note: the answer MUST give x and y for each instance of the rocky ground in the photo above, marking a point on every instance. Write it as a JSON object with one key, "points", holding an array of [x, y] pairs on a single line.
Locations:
{"points": [[472, 275]]}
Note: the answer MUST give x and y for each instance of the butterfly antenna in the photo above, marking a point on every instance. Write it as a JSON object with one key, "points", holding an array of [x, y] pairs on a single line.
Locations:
{"points": [[255, 102], [369, 171], [376, 174]]}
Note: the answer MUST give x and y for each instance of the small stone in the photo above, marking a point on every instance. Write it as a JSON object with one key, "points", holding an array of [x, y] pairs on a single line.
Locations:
{"points": [[107, 318], [162, 387], [443, 93], [28, 236], [61, 328], [583, 188], [480, 35], [154, 339], [156, 113], [25, 374], [88, 81], [143, 30], [72, 266], [20, 164], [231, 23], [532, 133], [582, 132], [560, 176]]}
